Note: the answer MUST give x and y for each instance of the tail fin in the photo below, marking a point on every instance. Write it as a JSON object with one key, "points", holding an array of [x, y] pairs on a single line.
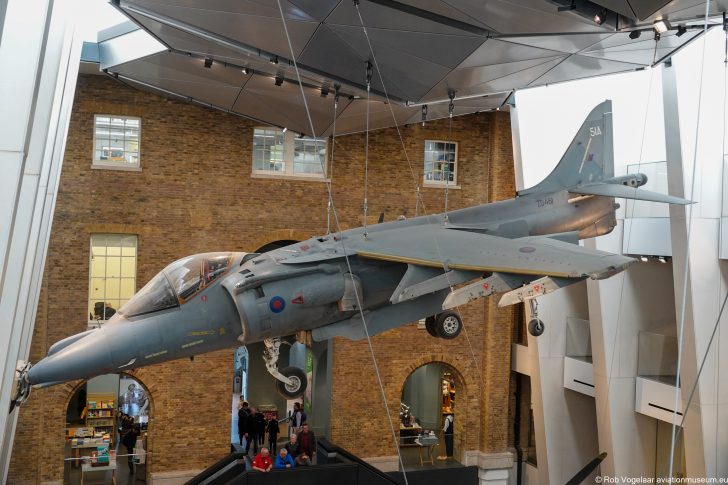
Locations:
{"points": [[589, 158]]}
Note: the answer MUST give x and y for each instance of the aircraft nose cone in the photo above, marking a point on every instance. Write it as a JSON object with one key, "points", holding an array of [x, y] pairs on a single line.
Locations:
{"points": [[84, 358]]}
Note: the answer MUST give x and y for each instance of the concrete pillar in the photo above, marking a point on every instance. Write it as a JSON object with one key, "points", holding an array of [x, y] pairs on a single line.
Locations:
{"points": [[699, 275], [40, 59], [565, 421]]}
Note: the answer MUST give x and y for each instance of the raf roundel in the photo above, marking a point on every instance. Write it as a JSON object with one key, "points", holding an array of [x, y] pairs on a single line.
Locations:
{"points": [[277, 304]]}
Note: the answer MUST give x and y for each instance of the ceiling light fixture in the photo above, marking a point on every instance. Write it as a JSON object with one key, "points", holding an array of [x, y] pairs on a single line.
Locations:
{"points": [[247, 70], [661, 26], [565, 8], [635, 34], [601, 16], [681, 29], [424, 114], [324, 91], [274, 60], [284, 130], [644, 259], [279, 81], [208, 62], [662, 259]]}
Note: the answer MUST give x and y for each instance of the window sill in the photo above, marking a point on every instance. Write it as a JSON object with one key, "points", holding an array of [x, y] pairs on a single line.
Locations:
{"points": [[123, 168], [300, 178], [438, 185]]}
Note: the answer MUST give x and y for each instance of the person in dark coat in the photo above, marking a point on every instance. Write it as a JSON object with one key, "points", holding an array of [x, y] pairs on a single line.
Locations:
{"points": [[273, 430], [256, 429], [262, 425], [306, 446], [129, 441], [243, 414]]}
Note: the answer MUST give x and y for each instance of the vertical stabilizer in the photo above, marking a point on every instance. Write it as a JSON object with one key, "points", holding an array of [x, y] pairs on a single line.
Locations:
{"points": [[589, 158]]}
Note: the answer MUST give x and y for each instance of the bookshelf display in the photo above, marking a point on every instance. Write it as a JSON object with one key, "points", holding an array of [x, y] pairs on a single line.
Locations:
{"points": [[101, 415]]}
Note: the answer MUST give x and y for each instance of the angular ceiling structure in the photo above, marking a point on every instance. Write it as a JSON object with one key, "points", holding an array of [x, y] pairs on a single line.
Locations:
{"points": [[237, 55]]}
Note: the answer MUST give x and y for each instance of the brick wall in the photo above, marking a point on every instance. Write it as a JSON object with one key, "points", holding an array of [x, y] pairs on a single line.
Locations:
{"points": [[195, 194]]}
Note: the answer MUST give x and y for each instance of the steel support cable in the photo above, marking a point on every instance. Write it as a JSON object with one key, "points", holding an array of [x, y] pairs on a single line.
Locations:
{"points": [[681, 322], [605, 401], [333, 152], [346, 257], [414, 179]]}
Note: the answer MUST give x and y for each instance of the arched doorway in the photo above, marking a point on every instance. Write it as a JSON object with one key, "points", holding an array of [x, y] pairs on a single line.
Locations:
{"points": [[429, 395], [99, 414]]}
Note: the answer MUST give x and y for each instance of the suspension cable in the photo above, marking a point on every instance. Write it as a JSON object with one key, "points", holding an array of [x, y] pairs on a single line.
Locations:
{"points": [[366, 150], [346, 257], [430, 221], [333, 151], [681, 322]]}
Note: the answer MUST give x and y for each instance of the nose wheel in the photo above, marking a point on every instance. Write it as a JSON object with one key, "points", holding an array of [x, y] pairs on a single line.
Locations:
{"points": [[22, 385], [291, 381], [536, 327]]}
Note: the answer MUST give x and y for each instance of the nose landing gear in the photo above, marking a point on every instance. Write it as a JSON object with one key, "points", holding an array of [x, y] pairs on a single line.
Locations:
{"points": [[290, 381], [536, 327]]}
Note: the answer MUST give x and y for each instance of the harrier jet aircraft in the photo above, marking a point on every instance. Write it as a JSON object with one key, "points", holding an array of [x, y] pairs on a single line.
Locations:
{"points": [[366, 281]]}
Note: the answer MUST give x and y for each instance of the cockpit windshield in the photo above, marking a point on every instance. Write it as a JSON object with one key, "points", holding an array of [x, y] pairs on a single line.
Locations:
{"points": [[194, 273], [177, 283], [156, 295]]}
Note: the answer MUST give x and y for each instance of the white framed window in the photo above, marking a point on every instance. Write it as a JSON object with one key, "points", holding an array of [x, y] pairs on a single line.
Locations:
{"points": [[112, 274], [117, 142], [282, 153], [440, 162]]}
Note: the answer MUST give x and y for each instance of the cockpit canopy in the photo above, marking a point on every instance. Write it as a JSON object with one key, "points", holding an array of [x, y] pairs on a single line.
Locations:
{"points": [[178, 282]]}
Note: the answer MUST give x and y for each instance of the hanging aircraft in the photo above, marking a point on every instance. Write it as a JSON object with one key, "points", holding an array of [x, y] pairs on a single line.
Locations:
{"points": [[366, 281]]}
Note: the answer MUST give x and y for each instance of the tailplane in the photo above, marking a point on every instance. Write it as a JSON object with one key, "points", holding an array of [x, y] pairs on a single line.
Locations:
{"points": [[588, 160]]}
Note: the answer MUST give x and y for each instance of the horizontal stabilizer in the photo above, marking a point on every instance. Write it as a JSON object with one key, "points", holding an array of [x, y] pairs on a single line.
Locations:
{"points": [[539, 287], [625, 192]]}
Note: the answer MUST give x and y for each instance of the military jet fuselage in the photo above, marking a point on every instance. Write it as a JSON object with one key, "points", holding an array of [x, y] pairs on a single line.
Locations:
{"points": [[366, 281]]}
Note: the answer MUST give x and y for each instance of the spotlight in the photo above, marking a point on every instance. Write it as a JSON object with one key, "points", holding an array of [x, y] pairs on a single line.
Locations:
{"points": [[662, 259], [635, 34], [644, 259], [424, 114], [247, 70], [274, 60], [681, 29], [565, 8], [661, 26], [601, 16], [657, 36], [284, 130], [279, 81], [324, 91], [208, 62]]}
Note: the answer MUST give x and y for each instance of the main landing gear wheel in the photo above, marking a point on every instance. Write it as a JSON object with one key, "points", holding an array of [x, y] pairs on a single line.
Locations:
{"points": [[430, 326], [448, 325], [536, 327], [297, 384]]}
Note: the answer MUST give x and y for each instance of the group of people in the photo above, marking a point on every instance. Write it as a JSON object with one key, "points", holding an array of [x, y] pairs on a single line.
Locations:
{"points": [[253, 427], [299, 451]]}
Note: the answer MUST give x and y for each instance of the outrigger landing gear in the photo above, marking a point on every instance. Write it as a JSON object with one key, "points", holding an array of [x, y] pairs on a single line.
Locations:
{"points": [[21, 384], [290, 381], [536, 326]]}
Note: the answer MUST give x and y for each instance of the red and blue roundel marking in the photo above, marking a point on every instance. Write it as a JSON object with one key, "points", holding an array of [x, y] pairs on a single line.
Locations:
{"points": [[277, 304]]}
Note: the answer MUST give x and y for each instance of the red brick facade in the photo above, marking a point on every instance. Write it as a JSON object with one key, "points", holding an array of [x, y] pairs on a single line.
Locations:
{"points": [[195, 194]]}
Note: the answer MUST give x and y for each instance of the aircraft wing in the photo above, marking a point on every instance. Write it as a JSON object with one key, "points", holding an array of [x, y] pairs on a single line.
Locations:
{"points": [[440, 247], [618, 190]]}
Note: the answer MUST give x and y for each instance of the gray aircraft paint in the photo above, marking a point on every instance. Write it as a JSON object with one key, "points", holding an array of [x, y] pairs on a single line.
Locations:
{"points": [[396, 271]]}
